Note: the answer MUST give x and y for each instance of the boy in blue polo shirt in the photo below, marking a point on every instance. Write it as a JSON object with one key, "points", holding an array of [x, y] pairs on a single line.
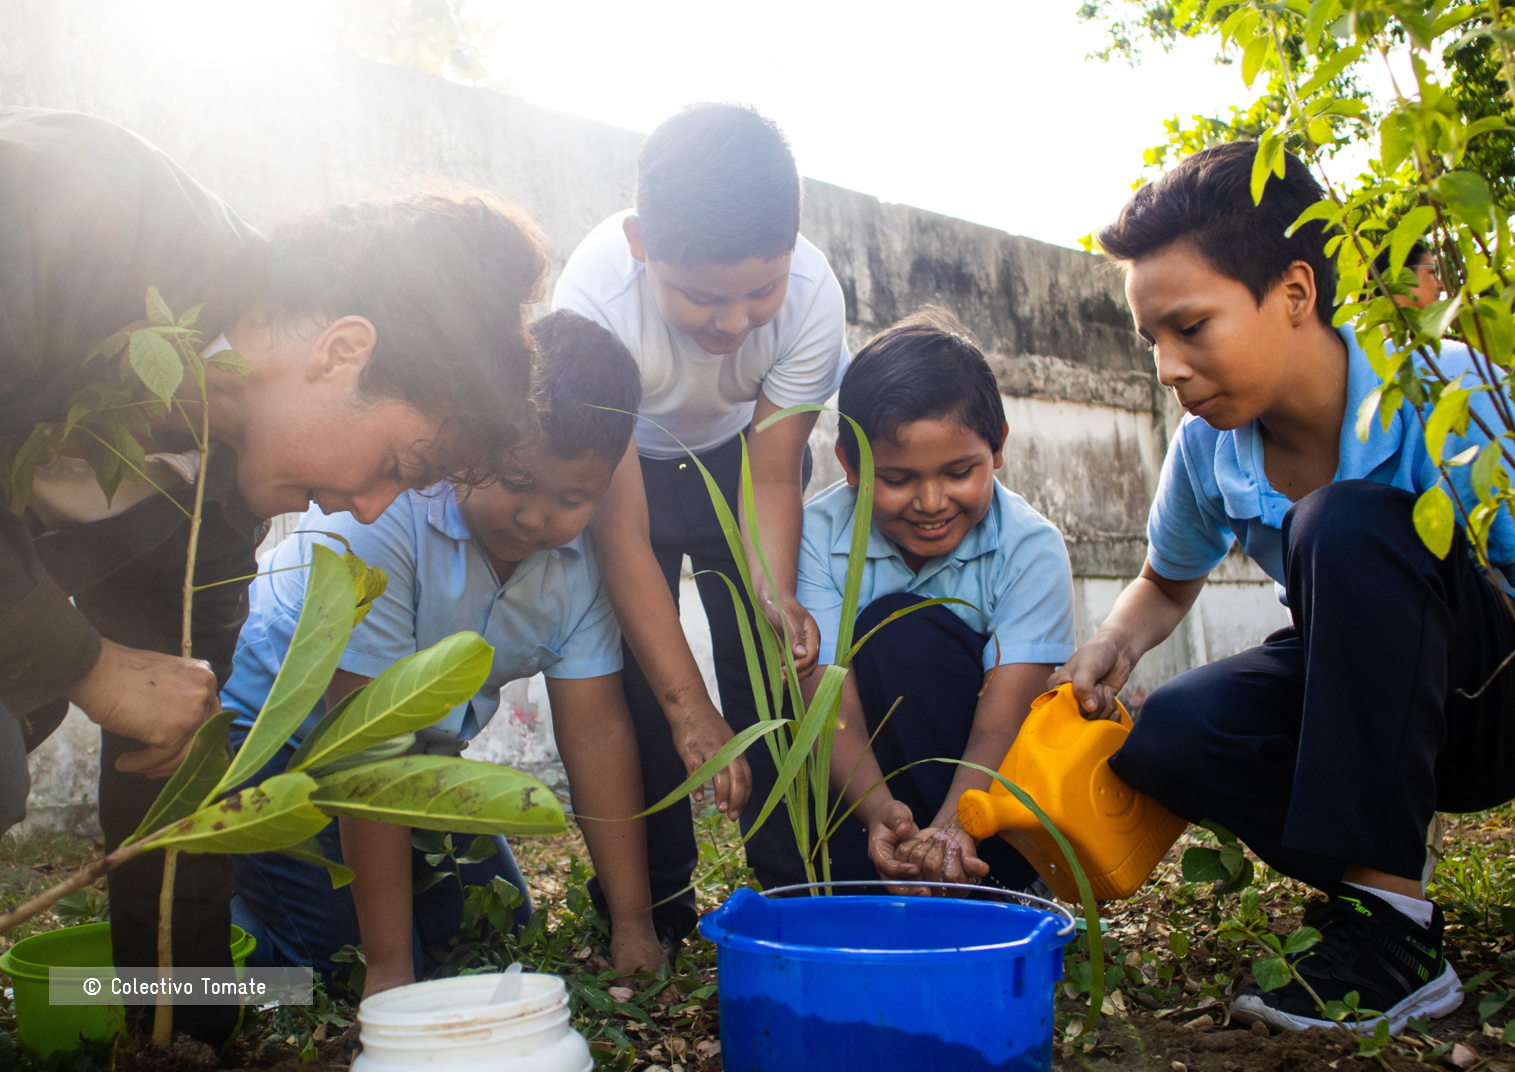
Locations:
{"points": [[1328, 748], [942, 526], [511, 562]]}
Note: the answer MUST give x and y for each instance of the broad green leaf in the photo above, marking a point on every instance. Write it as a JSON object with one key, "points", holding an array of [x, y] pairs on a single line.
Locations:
{"points": [[1203, 865], [319, 639], [309, 851], [1329, 211], [158, 312], [1268, 161], [262, 818], [1482, 473], [1271, 972], [443, 793], [1367, 411], [1252, 58], [1449, 417], [411, 695], [1300, 939], [1407, 233], [109, 346], [156, 363], [191, 315], [1466, 193], [1435, 520], [395, 746], [1330, 69], [200, 772], [480, 849], [1437, 317], [722, 759], [1178, 944]]}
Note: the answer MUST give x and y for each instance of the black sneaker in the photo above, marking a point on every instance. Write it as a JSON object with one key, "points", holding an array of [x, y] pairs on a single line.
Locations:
{"points": [[1395, 965]]}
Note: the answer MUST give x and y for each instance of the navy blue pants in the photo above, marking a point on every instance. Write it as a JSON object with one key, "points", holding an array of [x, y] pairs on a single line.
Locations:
{"points": [[683, 522], [288, 905], [1333, 743], [932, 662]]}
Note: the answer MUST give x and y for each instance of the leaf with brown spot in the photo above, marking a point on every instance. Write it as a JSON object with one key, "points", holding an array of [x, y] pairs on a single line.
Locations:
{"points": [[459, 796], [263, 818]]}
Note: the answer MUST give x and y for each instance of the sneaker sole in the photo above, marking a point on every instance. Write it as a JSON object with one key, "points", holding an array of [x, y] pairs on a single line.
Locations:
{"points": [[1436, 999]]}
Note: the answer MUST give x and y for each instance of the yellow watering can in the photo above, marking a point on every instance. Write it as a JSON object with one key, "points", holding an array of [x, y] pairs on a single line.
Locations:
{"points": [[1062, 760]]}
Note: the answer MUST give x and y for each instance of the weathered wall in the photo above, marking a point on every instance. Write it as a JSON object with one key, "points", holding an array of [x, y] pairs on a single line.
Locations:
{"points": [[291, 130]]}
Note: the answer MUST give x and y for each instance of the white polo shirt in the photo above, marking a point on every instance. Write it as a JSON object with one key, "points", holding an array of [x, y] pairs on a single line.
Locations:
{"points": [[705, 399]]}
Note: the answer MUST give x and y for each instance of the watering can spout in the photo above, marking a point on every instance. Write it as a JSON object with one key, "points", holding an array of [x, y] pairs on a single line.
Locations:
{"points": [[1061, 760]]}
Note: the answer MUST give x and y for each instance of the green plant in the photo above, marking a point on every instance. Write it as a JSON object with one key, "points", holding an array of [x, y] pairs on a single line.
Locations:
{"points": [[1227, 867], [352, 763], [801, 745]]}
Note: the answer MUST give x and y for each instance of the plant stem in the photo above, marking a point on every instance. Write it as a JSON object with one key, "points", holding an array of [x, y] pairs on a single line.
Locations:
{"points": [[163, 1013], [86, 876]]}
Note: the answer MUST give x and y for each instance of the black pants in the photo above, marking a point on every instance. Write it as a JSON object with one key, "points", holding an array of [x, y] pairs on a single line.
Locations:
{"points": [[683, 522], [932, 662], [1334, 742]]}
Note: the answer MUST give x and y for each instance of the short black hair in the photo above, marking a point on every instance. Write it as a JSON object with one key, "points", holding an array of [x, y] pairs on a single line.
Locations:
{"points": [[582, 373], [717, 184], [925, 367], [1207, 200]]}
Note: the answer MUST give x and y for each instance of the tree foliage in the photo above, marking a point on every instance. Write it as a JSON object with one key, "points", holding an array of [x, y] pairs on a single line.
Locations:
{"points": [[441, 37]]}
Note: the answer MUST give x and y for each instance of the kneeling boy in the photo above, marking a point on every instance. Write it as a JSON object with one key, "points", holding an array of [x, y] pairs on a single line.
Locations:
{"points": [[942, 526], [510, 561], [1329, 748]]}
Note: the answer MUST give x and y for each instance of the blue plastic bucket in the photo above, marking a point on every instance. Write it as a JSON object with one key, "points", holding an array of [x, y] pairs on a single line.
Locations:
{"points": [[877, 983]]}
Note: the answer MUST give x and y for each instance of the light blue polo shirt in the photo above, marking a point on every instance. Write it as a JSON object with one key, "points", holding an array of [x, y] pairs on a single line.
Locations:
{"points": [[552, 616], [1013, 565], [1214, 490]]}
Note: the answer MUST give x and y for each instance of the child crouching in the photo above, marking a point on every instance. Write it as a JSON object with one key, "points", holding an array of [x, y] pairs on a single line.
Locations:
{"points": [[510, 561]]}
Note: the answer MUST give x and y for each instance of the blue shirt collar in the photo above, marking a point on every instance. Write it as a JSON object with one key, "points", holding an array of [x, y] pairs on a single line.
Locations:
{"points": [[1239, 469], [981, 539]]}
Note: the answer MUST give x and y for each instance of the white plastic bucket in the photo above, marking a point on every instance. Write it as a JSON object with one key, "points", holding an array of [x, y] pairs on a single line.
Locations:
{"points": [[446, 1024]]}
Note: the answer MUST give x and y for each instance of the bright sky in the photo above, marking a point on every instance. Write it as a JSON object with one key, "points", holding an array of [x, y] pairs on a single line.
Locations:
{"points": [[983, 109]]}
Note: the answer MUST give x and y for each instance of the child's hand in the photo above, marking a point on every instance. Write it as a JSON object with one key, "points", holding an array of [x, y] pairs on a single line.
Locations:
{"points": [[635, 949], [804, 634], [1098, 671], [889, 826], [382, 977], [947, 853], [697, 737]]}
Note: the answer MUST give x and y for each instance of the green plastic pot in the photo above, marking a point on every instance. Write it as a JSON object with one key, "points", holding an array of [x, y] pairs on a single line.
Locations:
{"points": [[44, 1028]]}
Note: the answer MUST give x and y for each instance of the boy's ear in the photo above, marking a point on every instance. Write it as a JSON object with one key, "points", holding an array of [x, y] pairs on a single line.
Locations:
{"points": [[633, 228], [1297, 289], [342, 349], [841, 456], [999, 451]]}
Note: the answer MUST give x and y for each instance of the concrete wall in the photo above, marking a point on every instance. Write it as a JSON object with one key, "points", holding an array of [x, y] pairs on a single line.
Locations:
{"points": [[296, 129]]}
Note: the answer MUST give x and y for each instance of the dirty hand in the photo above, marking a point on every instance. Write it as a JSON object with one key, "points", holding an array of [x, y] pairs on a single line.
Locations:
{"points": [[635, 949], [697, 736], [947, 853], [1098, 671], [804, 634], [160, 700], [888, 825]]}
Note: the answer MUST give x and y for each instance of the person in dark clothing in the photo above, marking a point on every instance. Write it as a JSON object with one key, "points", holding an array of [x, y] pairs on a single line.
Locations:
{"points": [[1328, 748], [385, 348]]}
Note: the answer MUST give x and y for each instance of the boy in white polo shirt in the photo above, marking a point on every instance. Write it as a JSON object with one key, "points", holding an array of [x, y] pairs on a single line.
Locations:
{"points": [[731, 316], [511, 562], [942, 527]]}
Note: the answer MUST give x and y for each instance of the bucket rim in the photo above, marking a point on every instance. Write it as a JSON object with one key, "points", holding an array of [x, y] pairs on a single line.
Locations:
{"points": [[1006, 896], [711, 926], [15, 963]]}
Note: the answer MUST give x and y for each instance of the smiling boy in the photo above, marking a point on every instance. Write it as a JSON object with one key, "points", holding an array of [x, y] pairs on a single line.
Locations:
{"points": [[731, 315], [511, 562], [1328, 748], [942, 526]]}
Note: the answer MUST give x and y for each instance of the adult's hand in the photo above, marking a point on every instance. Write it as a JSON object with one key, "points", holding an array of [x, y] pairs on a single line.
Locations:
{"points": [[160, 700], [697, 736]]}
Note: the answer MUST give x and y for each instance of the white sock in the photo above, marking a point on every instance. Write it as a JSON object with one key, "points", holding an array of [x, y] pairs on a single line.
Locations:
{"points": [[1412, 908]]}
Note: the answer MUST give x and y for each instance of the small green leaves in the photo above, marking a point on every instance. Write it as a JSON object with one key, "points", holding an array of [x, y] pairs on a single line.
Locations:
{"points": [[156, 363], [158, 312], [1448, 418], [1301, 939], [274, 815], [1271, 972], [229, 360], [1435, 520], [1178, 944], [443, 793]]}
